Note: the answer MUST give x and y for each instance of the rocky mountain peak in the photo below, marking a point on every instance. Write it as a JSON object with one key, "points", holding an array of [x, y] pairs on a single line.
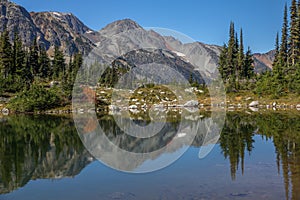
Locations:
{"points": [[67, 18], [120, 26], [63, 30], [16, 18], [263, 61]]}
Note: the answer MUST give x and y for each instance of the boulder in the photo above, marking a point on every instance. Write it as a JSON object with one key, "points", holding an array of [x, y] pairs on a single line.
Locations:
{"points": [[253, 104], [133, 107], [191, 103], [113, 108], [5, 111], [54, 83]]}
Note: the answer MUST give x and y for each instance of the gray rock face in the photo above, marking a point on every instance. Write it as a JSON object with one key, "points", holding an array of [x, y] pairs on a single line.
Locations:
{"points": [[263, 62], [157, 58], [14, 17], [119, 26], [50, 28], [63, 30]]}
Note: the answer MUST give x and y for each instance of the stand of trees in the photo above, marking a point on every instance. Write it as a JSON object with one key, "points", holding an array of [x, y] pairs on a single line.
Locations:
{"points": [[23, 67], [235, 66], [285, 76]]}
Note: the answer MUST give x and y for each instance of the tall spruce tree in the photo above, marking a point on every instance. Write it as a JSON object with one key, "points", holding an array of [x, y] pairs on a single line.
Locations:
{"points": [[26, 72], [276, 49], [223, 63], [58, 64], [298, 43], [34, 58], [78, 61], [18, 54], [231, 54], [283, 51], [248, 70], [294, 36], [44, 64], [5, 55], [241, 53]]}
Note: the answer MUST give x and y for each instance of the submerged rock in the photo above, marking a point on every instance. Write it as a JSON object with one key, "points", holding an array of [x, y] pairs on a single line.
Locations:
{"points": [[191, 103]]}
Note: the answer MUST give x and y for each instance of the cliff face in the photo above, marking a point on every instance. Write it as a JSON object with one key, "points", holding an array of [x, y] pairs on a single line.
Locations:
{"points": [[63, 30], [50, 28], [14, 17]]}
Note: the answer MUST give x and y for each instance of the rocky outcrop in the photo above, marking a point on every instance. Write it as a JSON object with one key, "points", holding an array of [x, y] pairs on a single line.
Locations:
{"points": [[16, 18], [158, 58], [63, 30], [263, 62]]}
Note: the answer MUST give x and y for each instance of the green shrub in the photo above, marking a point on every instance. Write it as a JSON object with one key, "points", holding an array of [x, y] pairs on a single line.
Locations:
{"points": [[37, 98]]}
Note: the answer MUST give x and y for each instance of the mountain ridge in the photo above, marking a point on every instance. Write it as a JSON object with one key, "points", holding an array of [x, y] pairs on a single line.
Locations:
{"points": [[52, 28]]}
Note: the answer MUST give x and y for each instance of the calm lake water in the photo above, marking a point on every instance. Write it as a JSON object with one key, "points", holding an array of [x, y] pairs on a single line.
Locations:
{"points": [[256, 157]]}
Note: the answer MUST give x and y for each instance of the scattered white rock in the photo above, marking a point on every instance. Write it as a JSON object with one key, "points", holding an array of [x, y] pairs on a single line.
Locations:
{"points": [[5, 111], [190, 90], [54, 83], [253, 109], [231, 108], [113, 108], [191, 109], [191, 103], [158, 105], [180, 135], [253, 104], [92, 110], [133, 107], [80, 110], [134, 111]]}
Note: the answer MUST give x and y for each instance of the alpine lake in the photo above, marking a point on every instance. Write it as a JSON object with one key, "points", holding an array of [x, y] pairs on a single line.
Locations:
{"points": [[256, 156]]}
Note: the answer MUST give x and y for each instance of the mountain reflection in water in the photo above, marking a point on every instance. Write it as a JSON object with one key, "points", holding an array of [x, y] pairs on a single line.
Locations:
{"points": [[48, 147]]}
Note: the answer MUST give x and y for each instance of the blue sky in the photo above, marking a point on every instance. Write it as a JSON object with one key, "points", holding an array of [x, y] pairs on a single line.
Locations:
{"points": [[203, 20]]}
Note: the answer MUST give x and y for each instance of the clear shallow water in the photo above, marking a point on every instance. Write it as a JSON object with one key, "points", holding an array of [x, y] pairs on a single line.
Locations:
{"points": [[257, 157]]}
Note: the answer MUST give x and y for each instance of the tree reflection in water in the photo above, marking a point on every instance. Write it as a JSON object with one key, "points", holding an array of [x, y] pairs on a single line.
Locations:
{"points": [[39, 147], [282, 128], [35, 147]]}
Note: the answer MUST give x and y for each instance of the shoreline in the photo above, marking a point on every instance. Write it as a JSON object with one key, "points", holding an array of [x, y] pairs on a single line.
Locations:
{"points": [[206, 108]]}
